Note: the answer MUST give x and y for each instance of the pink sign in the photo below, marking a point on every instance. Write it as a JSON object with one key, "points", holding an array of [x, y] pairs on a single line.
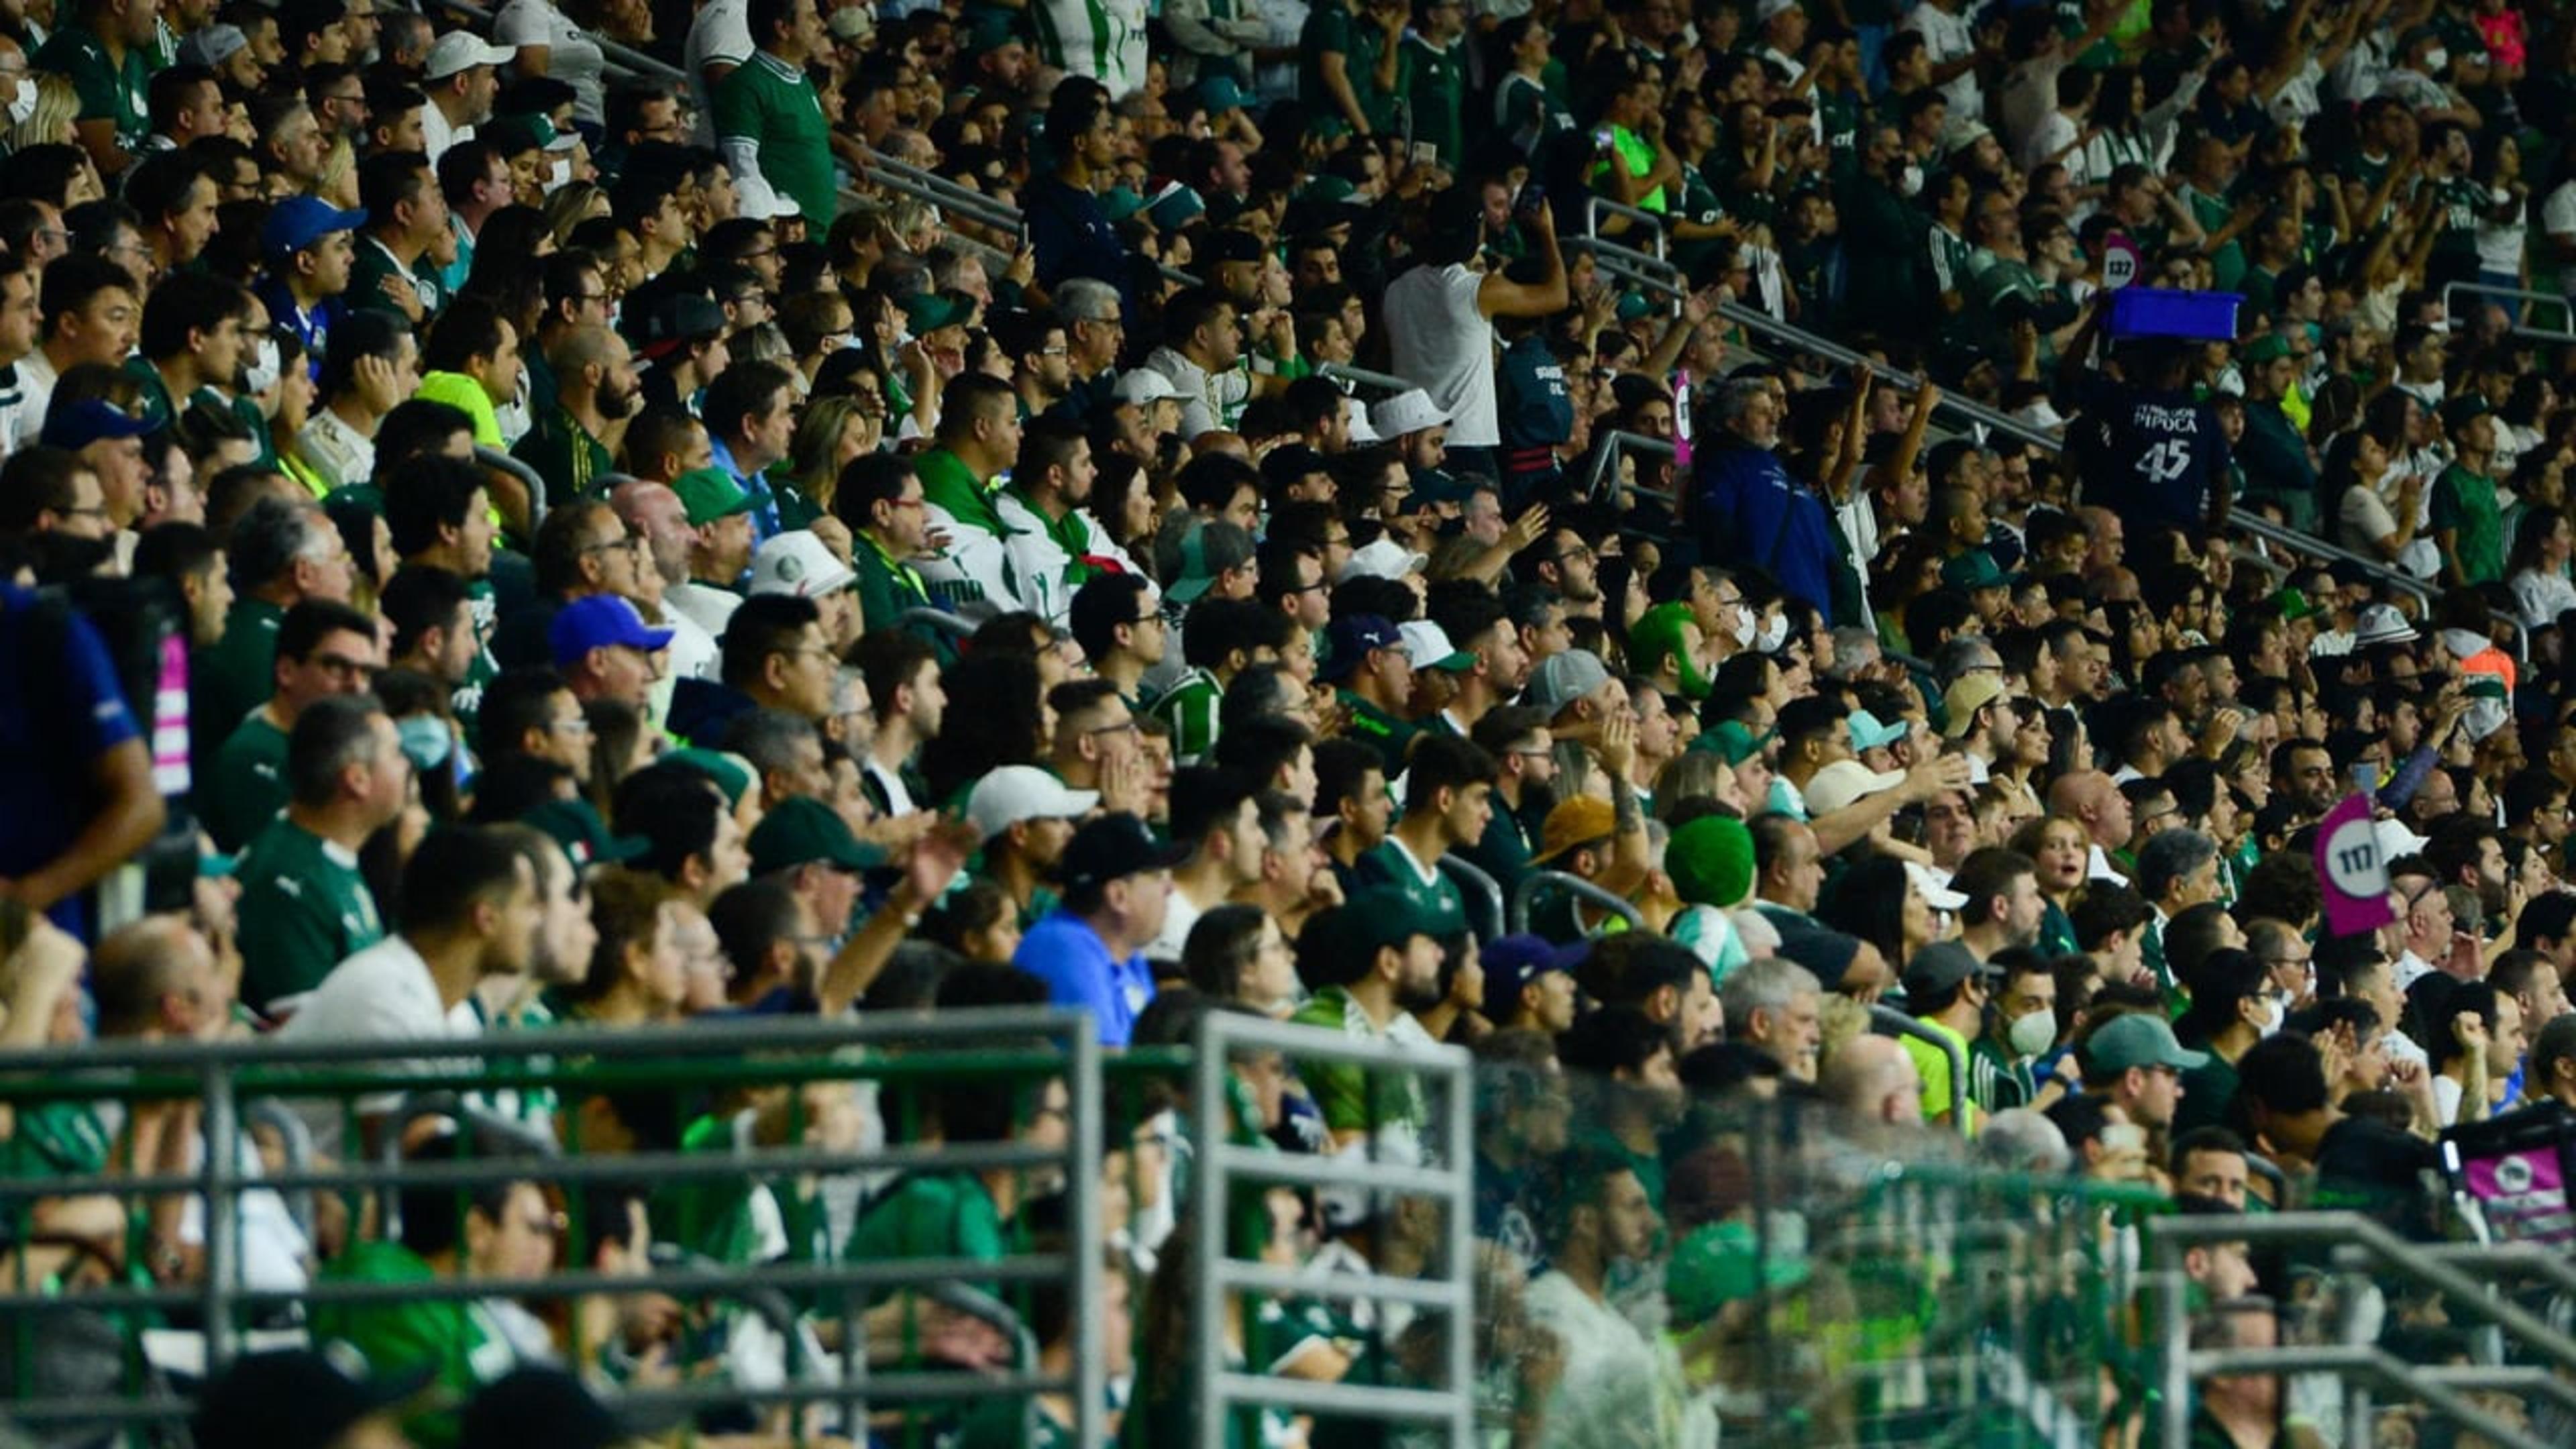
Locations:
{"points": [[2351, 869]]}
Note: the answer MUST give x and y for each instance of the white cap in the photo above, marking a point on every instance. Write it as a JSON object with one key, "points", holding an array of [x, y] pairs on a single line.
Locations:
{"points": [[1384, 559], [1844, 782], [2382, 624], [1936, 892], [1768, 10], [1428, 646], [1409, 411], [460, 50], [1143, 385], [797, 563], [1015, 793], [1355, 413]]}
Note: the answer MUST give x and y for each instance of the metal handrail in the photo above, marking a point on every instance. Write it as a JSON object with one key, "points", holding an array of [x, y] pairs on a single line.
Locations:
{"points": [[1471, 876], [1219, 1166], [990, 212], [1888, 1021], [1527, 890], [2434, 1386], [1614, 443], [938, 621], [961, 196], [1595, 204], [2565, 306], [499, 461], [1340, 372]]}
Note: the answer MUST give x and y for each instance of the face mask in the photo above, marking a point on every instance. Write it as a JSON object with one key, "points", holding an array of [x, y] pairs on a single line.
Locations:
{"points": [[2436, 58], [1743, 628], [1910, 180], [2272, 1014], [24, 106], [558, 175], [1775, 632], [264, 367], [2032, 1032], [425, 740]]}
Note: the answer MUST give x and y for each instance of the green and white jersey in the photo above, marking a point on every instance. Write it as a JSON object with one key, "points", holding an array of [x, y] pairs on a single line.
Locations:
{"points": [[1102, 39]]}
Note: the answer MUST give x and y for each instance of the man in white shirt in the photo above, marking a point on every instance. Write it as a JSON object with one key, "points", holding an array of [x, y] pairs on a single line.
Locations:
{"points": [[461, 85], [1619, 1388], [471, 909], [1440, 319]]}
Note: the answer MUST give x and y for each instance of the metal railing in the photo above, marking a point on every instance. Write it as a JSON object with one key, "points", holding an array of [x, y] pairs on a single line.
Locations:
{"points": [[2522, 325], [1473, 880], [1789, 336], [224, 1078], [1888, 1021], [1527, 891], [1446, 1176], [2356, 1244], [1605, 456], [1385, 381]]}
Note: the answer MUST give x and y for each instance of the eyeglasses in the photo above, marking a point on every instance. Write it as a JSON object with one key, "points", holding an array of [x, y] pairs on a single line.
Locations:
{"points": [[577, 725], [1124, 726], [342, 665], [630, 543]]}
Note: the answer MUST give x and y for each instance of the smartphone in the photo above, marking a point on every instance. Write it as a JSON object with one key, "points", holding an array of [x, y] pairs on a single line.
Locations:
{"points": [[1601, 138], [1532, 197], [1424, 153]]}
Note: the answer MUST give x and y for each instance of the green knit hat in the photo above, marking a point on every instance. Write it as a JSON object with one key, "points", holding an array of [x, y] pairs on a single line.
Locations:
{"points": [[1710, 861]]}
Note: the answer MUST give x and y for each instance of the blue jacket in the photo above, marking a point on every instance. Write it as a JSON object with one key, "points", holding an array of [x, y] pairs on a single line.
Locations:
{"points": [[1752, 514]]}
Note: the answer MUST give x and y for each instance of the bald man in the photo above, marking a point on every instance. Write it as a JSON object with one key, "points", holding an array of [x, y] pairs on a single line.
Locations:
{"points": [[1874, 1083], [2089, 798]]}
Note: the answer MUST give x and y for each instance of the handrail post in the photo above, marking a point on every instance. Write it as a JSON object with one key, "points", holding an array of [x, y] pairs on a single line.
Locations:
{"points": [[1208, 1232], [222, 1177], [1090, 1384]]}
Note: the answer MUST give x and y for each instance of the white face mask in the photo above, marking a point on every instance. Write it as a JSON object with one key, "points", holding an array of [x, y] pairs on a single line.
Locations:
{"points": [[2436, 58], [559, 175], [1743, 628], [2032, 1032], [1910, 180], [1775, 632], [2272, 1014], [24, 105], [264, 367]]}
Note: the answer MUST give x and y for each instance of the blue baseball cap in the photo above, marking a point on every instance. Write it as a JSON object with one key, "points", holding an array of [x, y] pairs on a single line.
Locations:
{"points": [[73, 426], [600, 622], [1512, 962], [300, 221], [1347, 641]]}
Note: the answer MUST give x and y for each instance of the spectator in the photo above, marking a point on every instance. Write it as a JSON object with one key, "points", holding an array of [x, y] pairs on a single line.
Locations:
{"points": [[1116, 882], [304, 907]]}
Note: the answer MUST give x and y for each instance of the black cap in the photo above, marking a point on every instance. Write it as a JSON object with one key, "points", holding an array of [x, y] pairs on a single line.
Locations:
{"points": [[1114, 847], [541, 1408], [294, 1399], [1232, 244]]}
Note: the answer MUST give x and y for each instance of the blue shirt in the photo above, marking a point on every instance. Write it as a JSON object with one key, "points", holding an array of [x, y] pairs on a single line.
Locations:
{"points": [[61, 708], [1065, 953], [1753, 514], [764, 503]]}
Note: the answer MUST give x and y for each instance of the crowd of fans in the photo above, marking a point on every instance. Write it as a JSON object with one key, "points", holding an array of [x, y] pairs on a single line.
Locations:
{"points": [[881, 608]]}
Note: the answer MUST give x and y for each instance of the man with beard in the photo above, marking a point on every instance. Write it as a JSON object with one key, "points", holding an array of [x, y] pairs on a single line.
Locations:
{"points": [[2004, 905], [1473, 617], [1373, 963], [655, 515], [1604, 1225], [1055, 545], [2466, 851], [597, 392], [472, 908]]}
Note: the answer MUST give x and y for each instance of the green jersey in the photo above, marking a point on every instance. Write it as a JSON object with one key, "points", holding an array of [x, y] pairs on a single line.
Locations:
{"points": [[1189, 707], [1435, 898], [304, 909], [772, 105], [1437, 87], [1383, 732], [247, 787], [234, 677], [109, 89], [457, 1337], [2464, 506]]}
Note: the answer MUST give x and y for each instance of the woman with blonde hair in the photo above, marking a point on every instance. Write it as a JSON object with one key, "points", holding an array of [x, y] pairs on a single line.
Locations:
{"points": [[830, 434], [50, 123], [572, 204]]}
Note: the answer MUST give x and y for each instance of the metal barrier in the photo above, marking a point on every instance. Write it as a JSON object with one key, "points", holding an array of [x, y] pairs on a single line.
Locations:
{"points": [[1220, 1164], [2521, 326], [1529, 886], [1473, 880], [1595, 204], [2355, 1244], [1606, 453], [1888, 1021], [1036, 1043], [1798, 339], [1340, 372], [499, 461]]}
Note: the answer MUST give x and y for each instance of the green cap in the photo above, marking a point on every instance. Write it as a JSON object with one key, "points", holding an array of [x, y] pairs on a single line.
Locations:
{"points": [[730, 773], [2267, 348], [2464, 409], [927, 312], [1120, 202], [1974, 569], [576, 826], [710, 494], [801, 830], [2139, 1039], [1732, 740], [1723, 1263]]}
